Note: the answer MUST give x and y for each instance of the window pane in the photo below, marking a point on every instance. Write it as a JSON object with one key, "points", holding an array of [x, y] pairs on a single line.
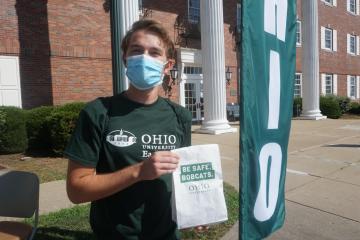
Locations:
{"points": [[328, 38]]}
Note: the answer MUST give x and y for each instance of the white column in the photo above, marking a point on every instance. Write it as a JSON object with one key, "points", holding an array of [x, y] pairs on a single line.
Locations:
{"points": [[213, 64], [129, 15], [310, 61]]}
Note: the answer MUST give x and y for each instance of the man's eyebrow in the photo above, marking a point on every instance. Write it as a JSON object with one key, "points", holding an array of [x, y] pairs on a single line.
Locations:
{"points": [[157, 49], [136, 46]]}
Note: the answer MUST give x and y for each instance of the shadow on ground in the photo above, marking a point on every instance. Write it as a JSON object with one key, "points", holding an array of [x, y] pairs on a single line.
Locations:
{"points": [[54, 233], [343, 145]]}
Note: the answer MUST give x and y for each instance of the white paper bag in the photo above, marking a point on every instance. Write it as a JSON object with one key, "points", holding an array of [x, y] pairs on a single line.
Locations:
{"points": [[198, 196]]}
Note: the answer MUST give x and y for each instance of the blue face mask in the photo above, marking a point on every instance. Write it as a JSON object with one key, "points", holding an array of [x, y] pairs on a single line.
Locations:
{"points": [[144, 72]]}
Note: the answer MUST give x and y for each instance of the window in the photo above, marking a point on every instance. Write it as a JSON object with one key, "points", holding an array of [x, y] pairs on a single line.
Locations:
{"points": [[297, 86], [238, 17], [352, 86], [192, 70], [351, 6], [298, 33], [330, 2], [194, 11], [329, 84], [352, 44], [328, 38]]}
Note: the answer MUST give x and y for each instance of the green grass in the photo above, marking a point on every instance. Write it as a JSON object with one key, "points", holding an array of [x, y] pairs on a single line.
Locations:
{"points": [[47, 168], [73, 223]]}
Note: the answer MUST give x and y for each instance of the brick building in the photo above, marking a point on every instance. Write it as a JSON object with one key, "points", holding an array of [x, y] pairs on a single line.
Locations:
{"points": [[59, 51], [339, 48]]}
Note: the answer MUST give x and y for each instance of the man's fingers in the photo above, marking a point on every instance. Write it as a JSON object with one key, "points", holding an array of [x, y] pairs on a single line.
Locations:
{"points": [[166, 159], [168, 166]]}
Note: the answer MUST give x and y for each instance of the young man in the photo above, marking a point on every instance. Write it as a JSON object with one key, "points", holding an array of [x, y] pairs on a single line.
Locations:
{"points": [[119, 153]]}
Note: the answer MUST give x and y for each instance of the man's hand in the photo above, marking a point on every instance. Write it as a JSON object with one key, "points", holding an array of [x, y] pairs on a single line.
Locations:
{"points": [[159, 163]]}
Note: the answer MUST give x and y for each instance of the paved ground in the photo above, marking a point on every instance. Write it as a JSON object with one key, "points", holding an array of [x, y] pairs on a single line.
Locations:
{"points": [[322, 185]]}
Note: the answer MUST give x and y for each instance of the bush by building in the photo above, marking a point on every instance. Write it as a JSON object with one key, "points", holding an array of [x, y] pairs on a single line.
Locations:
{"points": [[354, 108], [13, 137], [36, 127], [329, 106], [61, 123]]}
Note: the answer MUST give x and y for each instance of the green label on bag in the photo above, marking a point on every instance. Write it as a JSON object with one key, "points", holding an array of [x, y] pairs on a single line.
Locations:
{"points": [[196, 172]]}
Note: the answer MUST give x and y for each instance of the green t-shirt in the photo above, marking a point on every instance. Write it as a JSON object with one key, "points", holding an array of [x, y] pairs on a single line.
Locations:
{"points": [[115, 132]]}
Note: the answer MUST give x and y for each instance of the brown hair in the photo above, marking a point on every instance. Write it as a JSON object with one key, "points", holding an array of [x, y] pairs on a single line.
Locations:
{"points": [[153, 27]]}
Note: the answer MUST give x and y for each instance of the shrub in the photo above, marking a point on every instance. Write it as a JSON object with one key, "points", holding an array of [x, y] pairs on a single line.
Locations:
{"points": [[297, 106], [354, 108], [13, 138], [36, 127], [61, 124], [344, 103], [329, 106]]}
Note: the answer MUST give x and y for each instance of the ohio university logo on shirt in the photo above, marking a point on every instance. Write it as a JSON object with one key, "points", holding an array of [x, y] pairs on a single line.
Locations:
{"points": [[121, 138], [149, 142]]}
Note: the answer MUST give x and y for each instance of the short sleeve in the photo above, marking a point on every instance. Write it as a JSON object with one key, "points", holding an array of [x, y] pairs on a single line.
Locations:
{"points": [[85, 143]]}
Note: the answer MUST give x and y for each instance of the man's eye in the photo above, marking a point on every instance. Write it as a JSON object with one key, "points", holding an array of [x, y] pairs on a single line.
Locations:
{"points": [[155, 54]]}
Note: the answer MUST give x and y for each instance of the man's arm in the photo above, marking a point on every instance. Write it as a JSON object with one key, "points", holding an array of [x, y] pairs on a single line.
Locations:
{"points": [[85, 185]]}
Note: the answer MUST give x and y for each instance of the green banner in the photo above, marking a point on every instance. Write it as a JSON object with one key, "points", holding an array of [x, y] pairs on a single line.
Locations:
{"points": [[267, 78]]}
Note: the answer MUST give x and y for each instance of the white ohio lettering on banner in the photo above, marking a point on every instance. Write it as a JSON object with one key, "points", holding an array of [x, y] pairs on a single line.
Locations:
{"points": [[266, 201], [274, 91], [275, 15]]}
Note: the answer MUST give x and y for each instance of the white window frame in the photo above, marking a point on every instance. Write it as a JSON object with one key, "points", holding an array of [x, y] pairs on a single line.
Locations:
{"points": [[299, 85], [192, 20], [333, 86], [333, 39], [332, 3], [351, 39], [298, 32], [328, 33], [329, 84], [356, 85], [356, 5]]}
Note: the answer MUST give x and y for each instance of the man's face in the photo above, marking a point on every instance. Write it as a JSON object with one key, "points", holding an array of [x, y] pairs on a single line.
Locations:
{"points": [[147, 43]]}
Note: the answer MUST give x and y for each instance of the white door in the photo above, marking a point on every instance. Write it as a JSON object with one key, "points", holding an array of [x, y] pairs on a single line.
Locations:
{"points": [[193, 98], [10, 93]]}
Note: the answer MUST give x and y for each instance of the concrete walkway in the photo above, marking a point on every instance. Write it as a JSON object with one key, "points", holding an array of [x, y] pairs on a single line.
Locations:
{"points": [[322, 184]]}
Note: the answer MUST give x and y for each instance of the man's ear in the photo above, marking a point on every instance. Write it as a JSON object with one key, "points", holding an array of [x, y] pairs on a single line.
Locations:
{"points": [[168, 66]]}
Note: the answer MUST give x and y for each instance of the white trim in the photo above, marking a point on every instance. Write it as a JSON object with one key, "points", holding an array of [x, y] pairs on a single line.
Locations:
{"points": [[323, 37], [357, 7], [348, 43], [334, 38], [333, 4], [335, 84], [298, 44], [323, 85], [301, 87], [357, 45], [358, 87], [348, 5], [348, 77]]}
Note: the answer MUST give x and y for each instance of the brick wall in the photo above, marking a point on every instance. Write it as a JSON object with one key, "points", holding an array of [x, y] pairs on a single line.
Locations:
{"points": [[64, 46], [338, 62]]}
